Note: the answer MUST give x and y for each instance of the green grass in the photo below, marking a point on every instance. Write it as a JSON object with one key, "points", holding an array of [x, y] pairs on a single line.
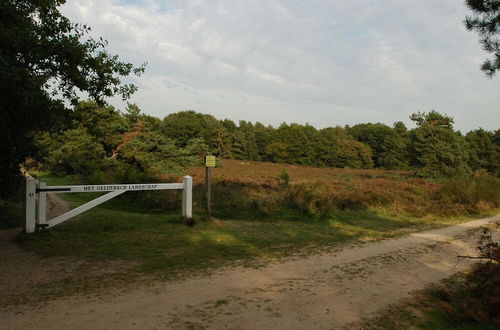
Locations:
{"points": [[162, 243]]}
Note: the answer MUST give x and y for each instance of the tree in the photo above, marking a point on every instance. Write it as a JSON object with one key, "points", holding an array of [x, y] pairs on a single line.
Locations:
{"points": [[400, 128], [245, 142], [45, 60], [74, 152], [387, 145], [486, 22], [484, 148], [104, 123], [336, 148], [186, 125], [435, 150], [299, 139], [152, 153], [432, 119]]}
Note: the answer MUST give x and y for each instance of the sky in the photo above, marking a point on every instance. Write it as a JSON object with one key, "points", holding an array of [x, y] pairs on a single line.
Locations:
{"points": [[321, 62]]}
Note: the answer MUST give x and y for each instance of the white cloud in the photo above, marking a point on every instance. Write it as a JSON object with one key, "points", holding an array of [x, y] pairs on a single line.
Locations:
{"points": [[318, 61]]}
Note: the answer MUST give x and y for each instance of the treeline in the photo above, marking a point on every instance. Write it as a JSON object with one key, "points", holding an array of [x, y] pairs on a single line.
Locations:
{"points": [[102, 141]]}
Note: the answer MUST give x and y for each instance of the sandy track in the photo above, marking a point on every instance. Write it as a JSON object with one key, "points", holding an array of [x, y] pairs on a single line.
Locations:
{"points": [[318, 292], [21, 271]]}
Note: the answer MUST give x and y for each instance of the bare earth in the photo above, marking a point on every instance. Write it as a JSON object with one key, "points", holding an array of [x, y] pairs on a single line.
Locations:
{"points": [[324, 291], [20, 270]]}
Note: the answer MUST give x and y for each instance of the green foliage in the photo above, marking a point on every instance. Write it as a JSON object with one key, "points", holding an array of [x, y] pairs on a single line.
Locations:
{"points": [[109, 146], [104, 123], [74, 152], [283, 179], [336, 148], [485, 23], [294, 143], [479, 192], [386, 144], [154, 154], [277, 152], [44, 60], [354, 154], [432, 119], [197, 148], [246, 144], [484, 147], [106, 145], [435, 149], [187, 125], [400, 128]]}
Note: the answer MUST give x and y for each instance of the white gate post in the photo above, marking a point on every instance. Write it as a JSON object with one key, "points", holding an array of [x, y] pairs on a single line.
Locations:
{"points": [[187, 197], [30, 206], [42, 204]]}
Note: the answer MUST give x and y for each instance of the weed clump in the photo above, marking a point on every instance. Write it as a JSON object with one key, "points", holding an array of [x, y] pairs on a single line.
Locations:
{"points": [[283, 179], [309, 198]]}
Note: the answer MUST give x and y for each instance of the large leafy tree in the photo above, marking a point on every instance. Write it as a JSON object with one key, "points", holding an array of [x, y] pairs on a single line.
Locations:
{"points": [[46, 61], [486, 22], [299, 141], [184, 126], [387, 145], [336, 148]]}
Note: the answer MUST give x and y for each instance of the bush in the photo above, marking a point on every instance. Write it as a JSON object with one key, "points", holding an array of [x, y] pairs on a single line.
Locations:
{"points": [[478, 193], [283, 179], [309, 198]]}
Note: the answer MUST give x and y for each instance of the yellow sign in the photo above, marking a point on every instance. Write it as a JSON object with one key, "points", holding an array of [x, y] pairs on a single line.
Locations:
{"points": [[210, 161]]}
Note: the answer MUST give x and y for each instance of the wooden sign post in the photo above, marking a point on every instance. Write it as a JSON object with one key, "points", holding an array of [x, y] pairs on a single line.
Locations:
{"points": [[209, 163]]}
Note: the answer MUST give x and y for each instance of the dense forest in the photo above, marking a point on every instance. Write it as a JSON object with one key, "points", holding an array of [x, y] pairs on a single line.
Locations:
{"points": [[102, 144]]}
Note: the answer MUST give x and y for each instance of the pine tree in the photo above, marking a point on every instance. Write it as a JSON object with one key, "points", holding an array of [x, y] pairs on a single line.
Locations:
{"points": [[486, 22]]}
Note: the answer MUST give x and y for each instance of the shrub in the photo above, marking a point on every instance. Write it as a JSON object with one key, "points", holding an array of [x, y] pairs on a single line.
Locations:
{"points": [[309, 198], [283, 179], [477, 193]]}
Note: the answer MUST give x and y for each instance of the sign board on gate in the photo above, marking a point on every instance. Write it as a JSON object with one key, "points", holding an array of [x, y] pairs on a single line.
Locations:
{"points": [[210, 161], [113, 190]]}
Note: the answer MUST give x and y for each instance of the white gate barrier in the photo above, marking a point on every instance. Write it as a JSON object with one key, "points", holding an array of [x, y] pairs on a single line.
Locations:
{"points": [[32, 192]]}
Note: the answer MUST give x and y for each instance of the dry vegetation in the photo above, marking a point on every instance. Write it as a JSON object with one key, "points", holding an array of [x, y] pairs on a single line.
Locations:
{"points": [[266, 187]]}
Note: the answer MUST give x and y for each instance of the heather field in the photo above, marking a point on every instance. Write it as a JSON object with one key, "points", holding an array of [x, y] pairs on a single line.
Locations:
{"points": [[265, 188], [266, 173]]}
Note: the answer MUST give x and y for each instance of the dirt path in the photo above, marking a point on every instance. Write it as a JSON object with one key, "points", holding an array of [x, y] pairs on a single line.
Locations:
{"points": [[15, 261], [319, 292], [21, 270], [56, 205]]}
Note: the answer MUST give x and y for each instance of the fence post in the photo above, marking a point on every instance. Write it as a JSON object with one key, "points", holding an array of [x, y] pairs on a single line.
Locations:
{"points": [[42, 204], [30, 205], [187, 198]]}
